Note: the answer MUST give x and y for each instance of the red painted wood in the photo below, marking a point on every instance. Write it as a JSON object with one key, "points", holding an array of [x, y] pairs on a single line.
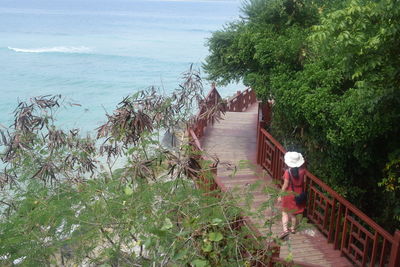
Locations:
{"points": [[334, 215], [332, 222], [322, 197], [395, 253], [382, 256], [316, 249], [241, 101]]}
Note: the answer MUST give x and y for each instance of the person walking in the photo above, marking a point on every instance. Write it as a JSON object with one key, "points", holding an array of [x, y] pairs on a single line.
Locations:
{"points": [[293, 185]]}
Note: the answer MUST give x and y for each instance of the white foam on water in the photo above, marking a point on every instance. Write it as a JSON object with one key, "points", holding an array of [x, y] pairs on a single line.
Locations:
{"points": [[55, 49]]}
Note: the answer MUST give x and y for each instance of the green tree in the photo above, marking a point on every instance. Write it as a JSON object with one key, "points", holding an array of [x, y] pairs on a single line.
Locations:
{"points": [[121, 199], [333, 69], [349, 95], [269, 39]]}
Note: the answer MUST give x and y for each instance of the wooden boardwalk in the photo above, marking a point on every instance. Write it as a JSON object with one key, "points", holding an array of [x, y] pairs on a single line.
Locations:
{"points": [[234, 139]]}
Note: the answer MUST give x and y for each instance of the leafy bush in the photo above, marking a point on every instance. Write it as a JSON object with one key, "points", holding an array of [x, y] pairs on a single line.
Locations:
{"points": [[123, 198], [332, 68]]}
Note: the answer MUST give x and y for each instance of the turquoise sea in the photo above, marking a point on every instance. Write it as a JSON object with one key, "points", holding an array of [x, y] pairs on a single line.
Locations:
{"points": [[95, 52]]}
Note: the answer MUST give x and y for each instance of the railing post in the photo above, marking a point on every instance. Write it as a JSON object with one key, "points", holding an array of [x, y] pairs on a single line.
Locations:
{"points": [[213, 86], [239, 104], [260, 125], [260, 146], [395, 252], [267, 112], [258, 134], [277, 167], [344, 233], [332, 222]]}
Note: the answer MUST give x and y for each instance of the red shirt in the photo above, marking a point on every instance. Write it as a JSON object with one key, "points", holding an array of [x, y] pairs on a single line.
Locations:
{"points": [[288, 202]]}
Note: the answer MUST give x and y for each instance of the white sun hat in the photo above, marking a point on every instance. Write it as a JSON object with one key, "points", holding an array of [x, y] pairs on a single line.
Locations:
{"points": [[294, 159]]}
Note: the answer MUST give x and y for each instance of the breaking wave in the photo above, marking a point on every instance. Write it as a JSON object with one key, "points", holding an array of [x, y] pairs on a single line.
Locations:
{"points": [[56, 49]]}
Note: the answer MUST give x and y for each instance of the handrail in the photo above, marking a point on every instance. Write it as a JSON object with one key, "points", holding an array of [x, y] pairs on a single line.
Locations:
{"points": [[350, 206], [242, 100], [333, 220], [356, 235], [238, 103], [196, 141], [195, 131], [201, 123]]}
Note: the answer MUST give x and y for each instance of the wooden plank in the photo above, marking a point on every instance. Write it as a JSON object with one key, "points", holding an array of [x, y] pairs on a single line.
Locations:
{"points": [[235, 139]]}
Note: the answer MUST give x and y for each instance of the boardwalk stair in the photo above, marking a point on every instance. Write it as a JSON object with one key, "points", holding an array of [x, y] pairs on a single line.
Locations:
{"points": [[340, 235]]}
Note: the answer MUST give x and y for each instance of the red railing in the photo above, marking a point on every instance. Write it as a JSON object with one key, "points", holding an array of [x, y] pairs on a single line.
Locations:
{"points": [[196, 130], [242, 100], [352, 232], [201, 121]]}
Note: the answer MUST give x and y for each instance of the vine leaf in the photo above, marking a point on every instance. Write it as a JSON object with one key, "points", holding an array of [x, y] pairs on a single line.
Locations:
{"points": [[215, 236], [216, 221], [128, 191], [207, 247]]}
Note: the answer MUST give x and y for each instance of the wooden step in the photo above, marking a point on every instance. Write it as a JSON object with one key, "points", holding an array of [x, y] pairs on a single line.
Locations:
{"points": [[234, 139]]}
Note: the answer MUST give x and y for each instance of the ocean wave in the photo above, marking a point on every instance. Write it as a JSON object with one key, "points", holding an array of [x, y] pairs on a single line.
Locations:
{"points": [[55, 49]]}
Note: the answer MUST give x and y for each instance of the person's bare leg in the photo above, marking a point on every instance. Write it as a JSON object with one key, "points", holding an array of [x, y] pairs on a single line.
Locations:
{"points": [[293, 226], [285, 220]]}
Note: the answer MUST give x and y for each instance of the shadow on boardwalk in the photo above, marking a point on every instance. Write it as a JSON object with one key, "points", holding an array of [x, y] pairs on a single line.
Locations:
{"points": [[234, 139]]}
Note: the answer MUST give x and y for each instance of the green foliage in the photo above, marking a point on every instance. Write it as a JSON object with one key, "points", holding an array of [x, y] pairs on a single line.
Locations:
{"points": [[391, 183], [122, 199], [269, 37], [332, 68], [106, 222], [100, 221]]}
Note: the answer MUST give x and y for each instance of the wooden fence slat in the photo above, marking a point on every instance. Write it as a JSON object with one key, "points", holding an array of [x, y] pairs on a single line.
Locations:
{"points": [[332, 222], [338, 227], [374, 249], [395, 253], [337, 213]]}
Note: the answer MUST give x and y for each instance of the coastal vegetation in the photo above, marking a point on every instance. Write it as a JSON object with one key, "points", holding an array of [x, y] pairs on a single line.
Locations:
{"points": [[122, 198], [332, 69]]}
